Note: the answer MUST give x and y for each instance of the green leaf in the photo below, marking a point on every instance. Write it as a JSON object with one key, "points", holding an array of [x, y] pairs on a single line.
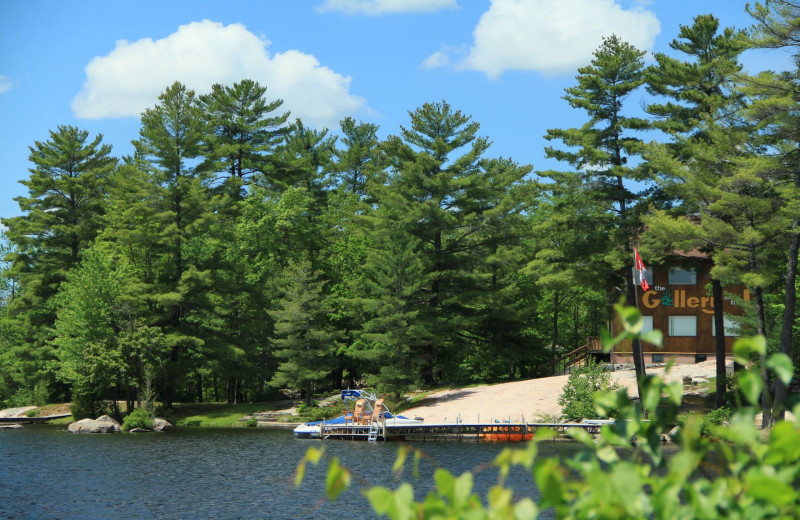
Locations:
{"points": [[499, 497], [781, 364], [767, 487], [744, 347], [651, 393], [550, 480], [525, 509], [607, 454], [606, 340], [462, 489], [400, 461], [445, 483], [784, 444], [381, 500], [751, 384], [503, 461], [337, 480], [654, 337], [313, 455], [631, 319], [675, 392]]}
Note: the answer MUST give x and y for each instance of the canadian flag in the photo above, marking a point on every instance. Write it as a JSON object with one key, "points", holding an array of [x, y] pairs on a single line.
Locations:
{"points": [[639, 266]]}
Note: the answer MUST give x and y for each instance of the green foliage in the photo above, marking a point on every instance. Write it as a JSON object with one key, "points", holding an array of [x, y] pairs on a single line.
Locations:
{"points": [[314, 412], [251, 422], [623, 473], [305, 339], [171, 275], [576, 396], [137, 418], [85, 405]]}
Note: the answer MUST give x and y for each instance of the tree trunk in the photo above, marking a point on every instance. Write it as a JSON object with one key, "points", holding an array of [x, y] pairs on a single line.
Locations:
{"points": [[789, 309], [554, 342], [719, 343], [636, 343], [198, 383], [309, 390]]}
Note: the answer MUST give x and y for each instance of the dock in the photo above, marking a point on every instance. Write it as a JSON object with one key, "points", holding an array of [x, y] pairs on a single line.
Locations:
{"points": [[32, 420], [453, 432]]}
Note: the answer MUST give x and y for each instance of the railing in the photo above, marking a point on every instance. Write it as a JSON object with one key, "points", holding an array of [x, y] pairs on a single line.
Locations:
{"points": [[574, 358]]}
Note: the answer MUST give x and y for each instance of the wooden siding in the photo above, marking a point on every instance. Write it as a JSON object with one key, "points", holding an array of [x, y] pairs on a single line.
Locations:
{"points": [[664, 300]]}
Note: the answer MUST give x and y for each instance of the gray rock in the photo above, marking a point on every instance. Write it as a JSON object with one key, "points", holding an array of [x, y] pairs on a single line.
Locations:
{"points": [[103, 424], [139, 430], [161, 425], [10, 426]]}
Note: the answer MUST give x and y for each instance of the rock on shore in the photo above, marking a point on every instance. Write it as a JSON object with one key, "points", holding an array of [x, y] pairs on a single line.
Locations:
{"points": [[103, 424]]}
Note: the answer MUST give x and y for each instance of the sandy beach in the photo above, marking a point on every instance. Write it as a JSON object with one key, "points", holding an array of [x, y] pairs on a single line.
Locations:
{"points": [[527, 400]]}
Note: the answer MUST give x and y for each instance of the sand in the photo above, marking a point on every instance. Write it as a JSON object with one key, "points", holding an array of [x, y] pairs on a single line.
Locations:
{"points": [[531, 399]]}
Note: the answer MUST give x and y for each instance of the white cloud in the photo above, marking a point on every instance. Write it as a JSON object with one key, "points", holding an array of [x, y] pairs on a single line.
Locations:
{"points": [[5, 84], [379, 7], [129, 79], [553, 36], [436, 60]]}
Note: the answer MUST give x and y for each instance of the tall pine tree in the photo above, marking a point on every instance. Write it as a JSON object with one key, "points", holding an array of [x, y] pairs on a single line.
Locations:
{"points": [[601, 149]]}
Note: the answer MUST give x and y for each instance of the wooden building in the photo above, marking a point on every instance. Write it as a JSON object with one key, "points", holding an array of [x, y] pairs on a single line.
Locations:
{"points": [[679, 303]]}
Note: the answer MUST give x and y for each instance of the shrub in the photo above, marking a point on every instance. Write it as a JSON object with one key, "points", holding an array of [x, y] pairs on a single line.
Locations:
{"points": [[576, 397], [251, 422], [304, 408], [85, 406], [713, 419], [138, 418]]}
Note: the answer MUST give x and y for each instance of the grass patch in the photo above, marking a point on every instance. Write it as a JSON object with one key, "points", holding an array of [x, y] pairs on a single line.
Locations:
{"points": [[217, 415]]}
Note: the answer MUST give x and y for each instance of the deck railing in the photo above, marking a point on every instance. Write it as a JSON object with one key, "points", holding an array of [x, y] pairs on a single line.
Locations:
{"points": [[574, 358]]}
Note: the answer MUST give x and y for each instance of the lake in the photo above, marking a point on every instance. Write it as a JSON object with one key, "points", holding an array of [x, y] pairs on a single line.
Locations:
{"points": [[214, 473]]}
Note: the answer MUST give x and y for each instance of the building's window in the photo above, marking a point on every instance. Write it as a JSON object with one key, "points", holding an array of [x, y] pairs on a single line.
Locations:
{"points": [[731, 327], [678, 276], [658, 358], [648, 275], [683, 325], [647, 324], [699, 358]]}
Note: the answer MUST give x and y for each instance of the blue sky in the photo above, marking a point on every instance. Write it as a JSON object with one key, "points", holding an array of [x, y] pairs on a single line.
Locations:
{"points": [[97, 65]]}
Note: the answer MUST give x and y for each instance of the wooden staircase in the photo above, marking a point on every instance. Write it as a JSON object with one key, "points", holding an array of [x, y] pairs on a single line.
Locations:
{"points": [[575, 358]]}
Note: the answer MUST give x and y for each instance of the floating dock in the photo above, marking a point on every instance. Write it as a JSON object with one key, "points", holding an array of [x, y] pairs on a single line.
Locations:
{"points": [[458, 432]]}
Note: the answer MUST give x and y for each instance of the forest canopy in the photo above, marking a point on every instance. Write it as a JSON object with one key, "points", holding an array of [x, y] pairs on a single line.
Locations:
{"points": [[239, 253]]}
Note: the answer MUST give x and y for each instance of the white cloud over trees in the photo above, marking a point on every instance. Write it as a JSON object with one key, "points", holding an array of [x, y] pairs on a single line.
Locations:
{"points": [[129, 79], [381, 7], [550, 36]]}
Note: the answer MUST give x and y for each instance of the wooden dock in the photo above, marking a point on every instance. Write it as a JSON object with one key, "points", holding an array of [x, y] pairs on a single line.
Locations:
{"points": [[32, 420], [453, 432]]}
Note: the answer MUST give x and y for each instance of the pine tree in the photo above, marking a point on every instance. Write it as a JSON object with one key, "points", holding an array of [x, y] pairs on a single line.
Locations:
{"points": [[359, 161], [601, 149], [698, 91], [304, 339], [775, 107], [62, 214], [442, 192], [243, 128], [392, 339], [170, 142], [564, 246]]}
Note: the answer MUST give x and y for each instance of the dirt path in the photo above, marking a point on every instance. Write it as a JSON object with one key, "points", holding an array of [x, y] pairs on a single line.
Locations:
{"points": [[530, 399]]}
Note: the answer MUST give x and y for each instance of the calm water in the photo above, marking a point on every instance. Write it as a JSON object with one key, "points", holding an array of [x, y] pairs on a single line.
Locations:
{"points": [[46, 472]]}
